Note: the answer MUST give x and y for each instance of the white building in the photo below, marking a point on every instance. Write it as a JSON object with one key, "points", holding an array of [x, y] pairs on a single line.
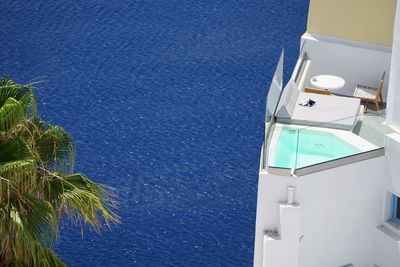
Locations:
{"points": [[329, 178]]}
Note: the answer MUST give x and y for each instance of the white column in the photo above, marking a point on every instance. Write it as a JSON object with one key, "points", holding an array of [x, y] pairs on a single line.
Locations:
{"points": [[393, 100]]}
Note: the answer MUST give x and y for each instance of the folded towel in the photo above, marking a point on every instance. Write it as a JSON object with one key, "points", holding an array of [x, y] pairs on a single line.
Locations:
{"points": [[307, 103]]}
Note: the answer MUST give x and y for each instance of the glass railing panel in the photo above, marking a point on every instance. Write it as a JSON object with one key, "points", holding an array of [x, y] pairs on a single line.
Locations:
{"points": [[282, 147], [339, 139], [300, 64], [275, 91], [272, 100]]}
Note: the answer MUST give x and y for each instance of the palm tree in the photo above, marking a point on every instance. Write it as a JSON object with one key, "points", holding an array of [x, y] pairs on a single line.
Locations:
{"points": [[38, 188]]}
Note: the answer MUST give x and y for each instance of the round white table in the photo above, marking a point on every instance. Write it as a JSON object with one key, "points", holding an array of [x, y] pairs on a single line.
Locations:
{"points": [[327, 82]]}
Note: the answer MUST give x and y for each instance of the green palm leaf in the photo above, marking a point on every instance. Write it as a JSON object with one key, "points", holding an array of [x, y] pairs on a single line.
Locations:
{"points": [[56, 148], [29, 103], [10, 89], [11, 112], [15, 149], [23, 93], [82, 200]]}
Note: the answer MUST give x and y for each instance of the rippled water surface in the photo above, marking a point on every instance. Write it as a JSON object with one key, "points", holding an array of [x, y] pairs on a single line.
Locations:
{"points": [[166, 101]]}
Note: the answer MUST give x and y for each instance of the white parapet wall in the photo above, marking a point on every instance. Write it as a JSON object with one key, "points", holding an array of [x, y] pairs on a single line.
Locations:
{"points": [[272, 192], [393, 162], [285, 239]]}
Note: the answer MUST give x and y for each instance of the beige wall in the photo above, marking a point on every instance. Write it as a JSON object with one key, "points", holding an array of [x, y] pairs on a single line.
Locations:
{"points": [[369, 21]]}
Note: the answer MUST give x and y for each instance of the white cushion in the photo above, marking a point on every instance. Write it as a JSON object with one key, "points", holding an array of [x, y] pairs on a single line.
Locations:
{"points": [[329, 111], [288, 100]]}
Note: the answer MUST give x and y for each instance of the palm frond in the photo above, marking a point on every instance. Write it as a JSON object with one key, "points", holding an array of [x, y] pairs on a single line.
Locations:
{"points": [[83, 200], [38, 219], [8, 89], [15, 149], [29, 103], [18, 169], [56, 149], [36, 255], [29, 226], [11, 112], [21, 174]]}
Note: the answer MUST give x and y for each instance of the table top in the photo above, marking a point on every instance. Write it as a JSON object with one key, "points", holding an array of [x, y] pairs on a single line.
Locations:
{"points": [[329, 82]]}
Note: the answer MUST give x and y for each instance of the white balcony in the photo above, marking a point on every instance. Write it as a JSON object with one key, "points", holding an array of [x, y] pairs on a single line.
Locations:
{"points": [[318, 132]]}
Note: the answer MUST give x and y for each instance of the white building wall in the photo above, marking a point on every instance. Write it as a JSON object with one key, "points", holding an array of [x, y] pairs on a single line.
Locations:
{"points": [[344, 210], [387, 243], [387, 248], [393, 104], [341, 209]]}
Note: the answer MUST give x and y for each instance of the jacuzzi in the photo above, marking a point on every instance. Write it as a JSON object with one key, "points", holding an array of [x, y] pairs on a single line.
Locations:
{"points": [[294, 146]]}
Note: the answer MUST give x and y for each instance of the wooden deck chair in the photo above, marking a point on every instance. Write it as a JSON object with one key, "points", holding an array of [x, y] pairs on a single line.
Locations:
{"points": [[370, 94]]}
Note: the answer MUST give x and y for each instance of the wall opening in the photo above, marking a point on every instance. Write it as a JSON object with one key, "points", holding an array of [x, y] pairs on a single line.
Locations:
{"points": [[395, 210]]}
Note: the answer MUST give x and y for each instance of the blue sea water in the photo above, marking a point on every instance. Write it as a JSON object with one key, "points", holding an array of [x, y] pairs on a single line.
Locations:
{"points": [[166, 102]]}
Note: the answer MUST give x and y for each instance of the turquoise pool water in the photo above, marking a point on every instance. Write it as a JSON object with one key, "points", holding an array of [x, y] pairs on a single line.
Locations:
{"points": [[297, 149]]}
